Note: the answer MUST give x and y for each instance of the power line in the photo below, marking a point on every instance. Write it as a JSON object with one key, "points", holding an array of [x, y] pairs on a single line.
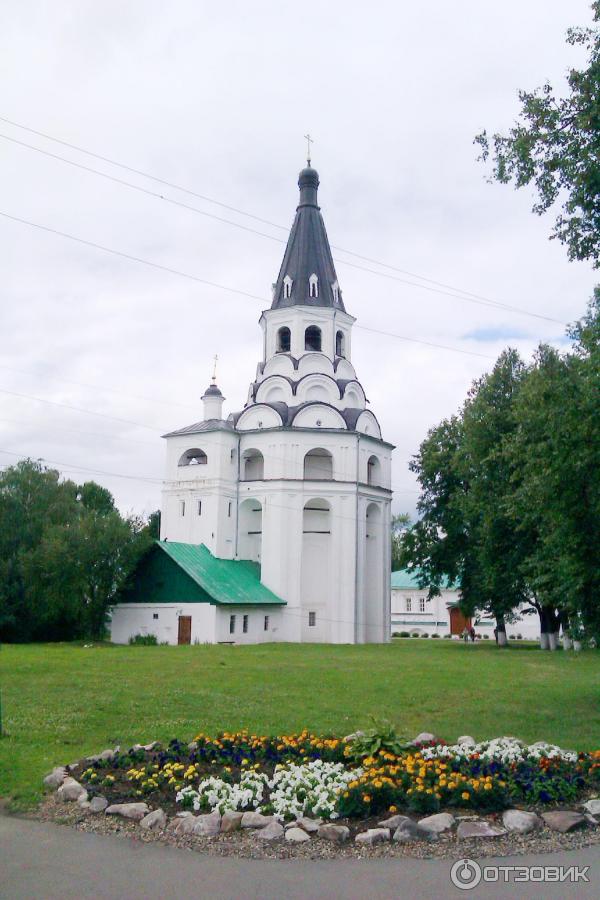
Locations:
{"points": [[89, 412], [181, 274], [440, 287], [75, 468], [96, 387], [103, 435]]}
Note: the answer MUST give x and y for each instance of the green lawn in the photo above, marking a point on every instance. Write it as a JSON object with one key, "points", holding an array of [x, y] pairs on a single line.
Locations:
{"points": [[61, 702]]}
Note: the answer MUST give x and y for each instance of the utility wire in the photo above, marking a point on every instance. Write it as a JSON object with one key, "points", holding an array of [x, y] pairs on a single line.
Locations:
{"points": [[441, 288], [187, 275]]}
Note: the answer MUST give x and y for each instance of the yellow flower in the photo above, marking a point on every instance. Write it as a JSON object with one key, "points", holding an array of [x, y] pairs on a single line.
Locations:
{"points": [[488, 786], [366, 798], [465, 795], [393, 809]]}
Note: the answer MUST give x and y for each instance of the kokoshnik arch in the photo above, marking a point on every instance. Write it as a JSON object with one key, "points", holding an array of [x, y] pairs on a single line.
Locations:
{"points": [[276, 520]]}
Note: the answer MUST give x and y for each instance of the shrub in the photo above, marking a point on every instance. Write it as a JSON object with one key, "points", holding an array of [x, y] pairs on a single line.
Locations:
{"points": [[486, 637], [519, 637], [425, 634], [415, 634], [448, 637], [511, 637], [405, 634], [435, 635], [146, 640]]}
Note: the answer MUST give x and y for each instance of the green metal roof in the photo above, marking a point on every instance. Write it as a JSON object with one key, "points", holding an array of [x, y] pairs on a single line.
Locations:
{"points": [[226, 581], [407, 579]]}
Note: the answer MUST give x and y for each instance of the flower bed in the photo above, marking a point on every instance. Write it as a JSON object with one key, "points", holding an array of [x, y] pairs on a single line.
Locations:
{"points": [[305, 774]]}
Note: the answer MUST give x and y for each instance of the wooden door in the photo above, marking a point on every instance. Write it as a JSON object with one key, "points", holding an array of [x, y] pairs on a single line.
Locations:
{"points": [[184, 632], [458, 621]]}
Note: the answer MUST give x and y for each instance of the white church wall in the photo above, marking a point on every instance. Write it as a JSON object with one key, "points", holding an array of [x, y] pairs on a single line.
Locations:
{"points": [[252, 618], [161, 620], [318, 415], [259, 416]]}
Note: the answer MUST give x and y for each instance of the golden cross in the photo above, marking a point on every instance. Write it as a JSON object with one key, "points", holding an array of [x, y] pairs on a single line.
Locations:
{"points": [[214, 377], [309, 141]]}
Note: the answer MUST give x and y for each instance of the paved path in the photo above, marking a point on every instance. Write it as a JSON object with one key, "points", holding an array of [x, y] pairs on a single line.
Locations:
{"points": [[42, 861]]}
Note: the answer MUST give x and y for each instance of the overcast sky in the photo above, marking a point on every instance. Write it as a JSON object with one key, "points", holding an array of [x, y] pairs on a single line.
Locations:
{"points": [[216, 98]]}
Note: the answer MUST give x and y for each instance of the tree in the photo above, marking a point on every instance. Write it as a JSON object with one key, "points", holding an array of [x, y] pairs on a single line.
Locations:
{"points": [[465, 532], [555, 458], [555, 144], [65, 553], [400, 524]]}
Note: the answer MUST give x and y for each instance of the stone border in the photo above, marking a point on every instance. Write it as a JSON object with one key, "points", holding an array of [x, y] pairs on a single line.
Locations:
{"points": [[252, 834]]}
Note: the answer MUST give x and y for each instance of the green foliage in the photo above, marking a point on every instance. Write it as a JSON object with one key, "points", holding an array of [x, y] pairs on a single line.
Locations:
{"points": [[555, 145], [400, 524], [382, 735], [144, 640], [65, 553], [510, 488]]}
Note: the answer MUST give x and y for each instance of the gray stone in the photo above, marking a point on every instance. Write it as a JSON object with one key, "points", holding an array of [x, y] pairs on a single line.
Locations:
{"points": [[521, 821], [466, 739], [336, 833], [478, 829], [208, 825], [563, 820], [296, 835], [352, 737], [231, 821], [310, 826], [394, 822], [410, 831], [56, 777], [70, 790], [425, 737], [155, 820], [373, 836], [105, 756], [82, 800], [184, 825], [98, 804], [592, 806], [438, 823], [149, 746], [135, 811], [273, 832], [256, 820], [183, 815]]}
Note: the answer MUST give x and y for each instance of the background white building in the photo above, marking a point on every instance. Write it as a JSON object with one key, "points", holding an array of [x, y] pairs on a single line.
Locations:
{"points": [[298, 482], [414, 613]]}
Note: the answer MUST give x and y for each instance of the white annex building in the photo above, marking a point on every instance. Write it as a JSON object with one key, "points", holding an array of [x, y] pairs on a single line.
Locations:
{"points": [[276, 520]]}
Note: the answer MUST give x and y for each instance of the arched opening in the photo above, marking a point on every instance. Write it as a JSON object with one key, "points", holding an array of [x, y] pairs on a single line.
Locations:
{"points": [[373, 588], [373, 471], [195, 457], [250, 530], [287, 287], [339, 344], [253, 465], [313, 286], [284, 340], [316, 570], [318, 465], [312, 338]]}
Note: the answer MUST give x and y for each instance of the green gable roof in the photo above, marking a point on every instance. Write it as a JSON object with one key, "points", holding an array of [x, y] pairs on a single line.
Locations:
{"points": [[226, 581], [407, 579]]}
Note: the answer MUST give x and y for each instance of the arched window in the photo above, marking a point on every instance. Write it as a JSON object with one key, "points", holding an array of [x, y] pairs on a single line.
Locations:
{"points": [[335, 288], [312, 338], [318, 465], [287, 287], [284, 340], [193, 457], [313, 286], [339, 343], [373, 470], [253, 465]]}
